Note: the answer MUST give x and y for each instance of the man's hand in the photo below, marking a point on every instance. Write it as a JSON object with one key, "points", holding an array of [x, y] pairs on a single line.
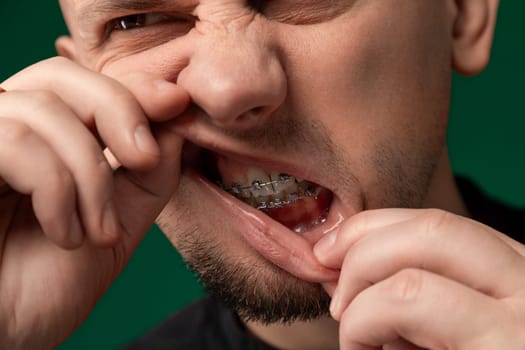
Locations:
{"points": [[55, 119], [425, 278]]}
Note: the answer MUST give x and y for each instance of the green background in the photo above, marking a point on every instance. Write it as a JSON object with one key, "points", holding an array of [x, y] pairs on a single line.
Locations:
{"points": [[485, 139]]}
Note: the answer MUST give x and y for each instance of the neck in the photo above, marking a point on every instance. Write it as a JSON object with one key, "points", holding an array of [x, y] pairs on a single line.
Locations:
{"points": [[323, 333], [311, 335], [443, 192]]}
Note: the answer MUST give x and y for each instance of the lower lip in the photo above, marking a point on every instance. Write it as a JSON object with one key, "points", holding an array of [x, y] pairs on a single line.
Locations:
{"points": [[275, 242]]}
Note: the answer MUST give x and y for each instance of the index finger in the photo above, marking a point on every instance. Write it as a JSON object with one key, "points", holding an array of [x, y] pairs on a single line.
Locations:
{"points": [[331, 249], [107, 106]]}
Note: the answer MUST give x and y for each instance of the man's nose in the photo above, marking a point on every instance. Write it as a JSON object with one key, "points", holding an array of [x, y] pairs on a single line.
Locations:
{"points": [[235, 78]]}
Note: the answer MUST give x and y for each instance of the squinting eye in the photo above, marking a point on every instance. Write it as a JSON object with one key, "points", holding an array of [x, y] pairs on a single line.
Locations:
{"points": [[257, 5], [141, 20]]}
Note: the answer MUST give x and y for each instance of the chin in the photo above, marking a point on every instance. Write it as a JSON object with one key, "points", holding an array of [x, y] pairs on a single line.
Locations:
{"points": [[239, 271], [248, 284]]}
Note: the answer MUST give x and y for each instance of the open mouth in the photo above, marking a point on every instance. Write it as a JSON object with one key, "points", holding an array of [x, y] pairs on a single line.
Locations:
{"points": [[277, 212], [298, 204]]}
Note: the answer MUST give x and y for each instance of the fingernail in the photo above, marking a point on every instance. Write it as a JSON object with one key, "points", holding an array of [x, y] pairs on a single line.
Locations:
{"points": [[334, 304], [109, 221], [145, 141], [324, 245], [75, 230]]}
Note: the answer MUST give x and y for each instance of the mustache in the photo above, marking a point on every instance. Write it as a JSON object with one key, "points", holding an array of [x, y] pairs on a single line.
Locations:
{"points": [[287, 136], [280, 132]]}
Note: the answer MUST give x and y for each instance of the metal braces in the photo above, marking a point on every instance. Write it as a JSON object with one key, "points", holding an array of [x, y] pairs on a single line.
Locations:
{"points": [[279, 203], [244, 192], [259, 185], [292, 198]]}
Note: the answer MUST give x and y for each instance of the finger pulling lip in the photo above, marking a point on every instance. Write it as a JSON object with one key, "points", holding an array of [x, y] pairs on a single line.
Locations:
{"points": [[275, 242]]}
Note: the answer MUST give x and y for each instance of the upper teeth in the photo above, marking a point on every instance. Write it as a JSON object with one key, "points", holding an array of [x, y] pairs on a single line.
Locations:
{"points": [[274, 191], [264, 185]]}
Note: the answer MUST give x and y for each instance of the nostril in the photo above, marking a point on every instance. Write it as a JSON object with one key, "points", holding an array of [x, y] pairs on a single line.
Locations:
{"points": [[250, 118], [257, 110], [255, 113]]}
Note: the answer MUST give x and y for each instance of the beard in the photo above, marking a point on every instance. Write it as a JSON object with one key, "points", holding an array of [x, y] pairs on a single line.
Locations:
{"points": [[247, 283], [253, 288]]}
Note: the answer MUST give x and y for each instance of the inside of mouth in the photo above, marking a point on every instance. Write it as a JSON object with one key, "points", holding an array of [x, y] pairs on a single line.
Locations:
{"points": [[298, 204]]}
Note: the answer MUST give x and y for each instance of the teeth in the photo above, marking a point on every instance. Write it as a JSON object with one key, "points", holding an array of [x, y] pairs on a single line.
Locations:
{"points": [[240, 191], [259, 181], [302, 228], [292, 197], [263, 191], [283, 184], [262, 199]]}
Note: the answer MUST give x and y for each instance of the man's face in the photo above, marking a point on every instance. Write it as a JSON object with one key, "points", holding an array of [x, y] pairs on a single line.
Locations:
{"points": [[304, 111]]}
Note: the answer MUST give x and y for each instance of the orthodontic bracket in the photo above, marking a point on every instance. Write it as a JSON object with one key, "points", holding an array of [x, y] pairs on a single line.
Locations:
{"points": [[244, 192], [258, 185]]}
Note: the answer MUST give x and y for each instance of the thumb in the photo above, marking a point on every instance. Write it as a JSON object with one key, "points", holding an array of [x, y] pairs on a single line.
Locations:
{"points": [[141, 196]]}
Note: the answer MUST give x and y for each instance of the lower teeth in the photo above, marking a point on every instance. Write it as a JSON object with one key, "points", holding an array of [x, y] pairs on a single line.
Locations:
{"points": [[280, 203], [305, 189], [309, 213], [304, 228]]}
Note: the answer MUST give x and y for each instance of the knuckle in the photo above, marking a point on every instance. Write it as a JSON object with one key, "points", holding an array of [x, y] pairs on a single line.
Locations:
{"points": [[59, 61], [120, 96], [55, 59], [44, 99], [60, 181], [65, 180], [436, 220], [13, 131], [122, 100], [121, 105], [406, 285]]}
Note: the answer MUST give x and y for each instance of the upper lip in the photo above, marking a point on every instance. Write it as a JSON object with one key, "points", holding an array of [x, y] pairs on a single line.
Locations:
{"points": [[207, 138]]}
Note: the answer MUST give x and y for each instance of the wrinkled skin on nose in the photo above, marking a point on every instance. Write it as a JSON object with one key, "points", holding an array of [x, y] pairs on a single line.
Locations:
{"points": [[233, 73]]}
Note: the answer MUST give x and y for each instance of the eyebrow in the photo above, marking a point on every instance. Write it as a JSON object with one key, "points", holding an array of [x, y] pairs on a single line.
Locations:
{"points": [[99, 8]]}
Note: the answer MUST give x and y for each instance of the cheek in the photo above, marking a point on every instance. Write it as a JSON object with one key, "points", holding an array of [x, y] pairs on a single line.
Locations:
{"points": [[378, 76], [184, 225], [382, 89], [165, 61]]}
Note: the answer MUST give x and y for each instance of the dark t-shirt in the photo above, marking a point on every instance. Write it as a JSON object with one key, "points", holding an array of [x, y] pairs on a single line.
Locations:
{"points": [[208, 325]]}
